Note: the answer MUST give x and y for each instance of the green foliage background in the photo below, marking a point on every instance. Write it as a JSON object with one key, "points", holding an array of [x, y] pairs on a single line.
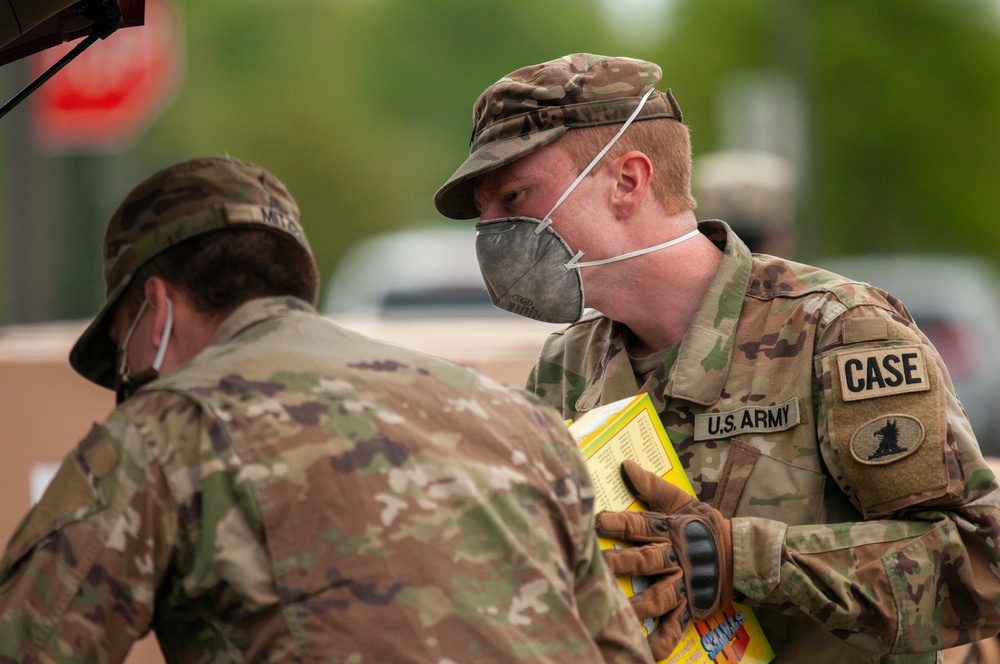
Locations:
{"points": [[363, 107]]}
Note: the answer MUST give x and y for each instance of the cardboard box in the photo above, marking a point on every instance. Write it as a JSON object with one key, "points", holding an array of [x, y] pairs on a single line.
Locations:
{"points": [[631, 429]]}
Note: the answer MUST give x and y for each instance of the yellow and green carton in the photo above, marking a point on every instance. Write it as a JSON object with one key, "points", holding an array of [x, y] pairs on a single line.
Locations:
{"points": [[631, 429]]}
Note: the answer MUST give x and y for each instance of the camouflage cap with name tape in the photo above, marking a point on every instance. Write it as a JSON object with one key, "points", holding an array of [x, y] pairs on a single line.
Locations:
{"points": [[535, 105], [172, 205]]}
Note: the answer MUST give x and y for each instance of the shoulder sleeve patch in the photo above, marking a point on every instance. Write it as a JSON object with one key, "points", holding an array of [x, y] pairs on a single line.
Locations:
{"points": [[882, 371], [883, 418]]}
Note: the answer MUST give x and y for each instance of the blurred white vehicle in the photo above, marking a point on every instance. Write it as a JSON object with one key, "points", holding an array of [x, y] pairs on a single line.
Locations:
{"points": [[954, 301], [426, 271]]}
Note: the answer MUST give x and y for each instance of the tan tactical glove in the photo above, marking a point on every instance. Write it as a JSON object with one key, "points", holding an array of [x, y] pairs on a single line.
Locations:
{"points": [[685, 544]]}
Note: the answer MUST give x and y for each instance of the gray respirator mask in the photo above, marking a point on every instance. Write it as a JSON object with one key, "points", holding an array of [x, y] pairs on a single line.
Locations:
{"points": [[529, 269]]}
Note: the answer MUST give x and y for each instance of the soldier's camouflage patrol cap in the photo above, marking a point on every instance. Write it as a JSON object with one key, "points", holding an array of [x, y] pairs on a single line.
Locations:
{"points": [[172, 205], [535, 105]]}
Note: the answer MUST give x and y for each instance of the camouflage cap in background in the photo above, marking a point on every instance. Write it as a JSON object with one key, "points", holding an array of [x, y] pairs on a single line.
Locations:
{"points": [[751, 190], [535, 105], [172, 205]]}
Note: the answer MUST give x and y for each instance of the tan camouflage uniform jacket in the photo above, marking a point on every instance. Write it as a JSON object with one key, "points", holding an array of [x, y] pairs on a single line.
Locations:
{"points": [[300, 493], [810, 408]]}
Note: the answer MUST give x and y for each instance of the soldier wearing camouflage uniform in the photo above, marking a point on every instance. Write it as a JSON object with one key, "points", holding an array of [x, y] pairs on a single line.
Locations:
{"points": [[843, 489], [289, 491]]}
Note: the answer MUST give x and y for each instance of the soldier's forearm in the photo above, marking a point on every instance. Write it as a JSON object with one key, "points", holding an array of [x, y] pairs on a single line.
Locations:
{"points": [[886, 586]]}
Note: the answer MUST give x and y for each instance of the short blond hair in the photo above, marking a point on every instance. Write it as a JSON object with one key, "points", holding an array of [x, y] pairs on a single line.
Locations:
{"points": [[666, 142]]}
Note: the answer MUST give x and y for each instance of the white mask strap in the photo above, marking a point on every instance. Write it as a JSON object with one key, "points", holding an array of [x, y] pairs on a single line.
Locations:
{"points": [[167, 327], [642, 102], [575, 261], [128, 335]]}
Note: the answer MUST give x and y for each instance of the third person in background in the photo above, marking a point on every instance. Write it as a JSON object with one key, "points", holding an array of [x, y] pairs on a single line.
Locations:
{"points": [[754, 192]]}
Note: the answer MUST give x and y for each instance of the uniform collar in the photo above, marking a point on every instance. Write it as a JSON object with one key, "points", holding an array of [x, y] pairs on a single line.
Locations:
{"points": [[702, 366], [254, 311], [699, 372]]}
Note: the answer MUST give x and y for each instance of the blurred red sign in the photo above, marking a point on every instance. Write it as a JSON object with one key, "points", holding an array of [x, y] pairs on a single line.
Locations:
{"points": [[109, 94]]}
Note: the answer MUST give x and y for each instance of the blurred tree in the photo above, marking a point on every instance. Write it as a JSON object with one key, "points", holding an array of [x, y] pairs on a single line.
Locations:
{"points": [[364, 106], [907, 101], [902, 98]]}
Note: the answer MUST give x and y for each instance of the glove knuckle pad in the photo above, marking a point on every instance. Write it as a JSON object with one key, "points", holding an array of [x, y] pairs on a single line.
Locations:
{"points": [[704, 560]]}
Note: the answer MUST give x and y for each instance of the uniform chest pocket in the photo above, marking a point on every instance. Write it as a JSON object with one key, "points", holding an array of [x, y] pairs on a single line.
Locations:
{"points": [[754, 484]]}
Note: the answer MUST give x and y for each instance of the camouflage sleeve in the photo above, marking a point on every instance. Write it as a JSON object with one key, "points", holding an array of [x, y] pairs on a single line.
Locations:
{"points": [[78, 578], [531, 384], [607, 614], [554, 384], [601, 605], [920, 572]]}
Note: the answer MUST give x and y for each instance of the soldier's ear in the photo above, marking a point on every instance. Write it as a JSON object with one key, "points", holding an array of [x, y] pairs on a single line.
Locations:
{"points": [[633, 174]]}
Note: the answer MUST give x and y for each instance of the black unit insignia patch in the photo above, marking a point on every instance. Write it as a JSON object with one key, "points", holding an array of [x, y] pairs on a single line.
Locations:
{"points": [[887, 439]]}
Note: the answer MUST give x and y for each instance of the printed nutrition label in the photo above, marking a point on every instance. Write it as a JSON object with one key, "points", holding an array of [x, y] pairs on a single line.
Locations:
{"points": [[637, 440]]}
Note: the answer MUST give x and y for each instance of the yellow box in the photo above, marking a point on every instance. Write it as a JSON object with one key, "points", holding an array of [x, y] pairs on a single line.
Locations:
{"points": [[631, 429]]}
